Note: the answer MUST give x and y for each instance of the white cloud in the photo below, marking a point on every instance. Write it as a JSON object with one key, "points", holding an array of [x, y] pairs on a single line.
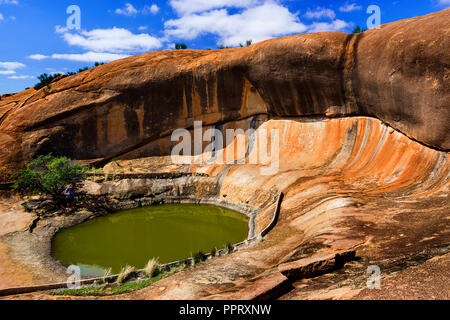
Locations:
{"points": [[445, 3], [83, 57], [5, 72], [335, 25], [257, 23], [184, 7], [153, 9], [10, 67], [255, 19], [90, 56], [9, 2], [350, 7], [21, 77], [54, 71], [59, 29], [2, 17], [251, 19], [15, 2], [103, 45], [320, 13], [116, 40], [129, 10], [169, 46], [37, 57]]}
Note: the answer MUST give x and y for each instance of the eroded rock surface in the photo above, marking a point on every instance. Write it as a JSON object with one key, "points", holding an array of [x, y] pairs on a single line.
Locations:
{"points": [[379, 187], [399, 74]]}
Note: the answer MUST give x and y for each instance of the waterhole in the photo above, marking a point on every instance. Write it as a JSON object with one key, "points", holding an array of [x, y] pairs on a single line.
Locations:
{"points": [[168, 232]]}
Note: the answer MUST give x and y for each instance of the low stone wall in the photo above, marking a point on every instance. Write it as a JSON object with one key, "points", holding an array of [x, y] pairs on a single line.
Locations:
{"points": [[156, 175], [276, 215], [239, 207]]}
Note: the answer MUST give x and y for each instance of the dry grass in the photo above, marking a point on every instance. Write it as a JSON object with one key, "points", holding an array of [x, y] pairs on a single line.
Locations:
{"points": [[125, 273], [106, 275], [152, 267]]}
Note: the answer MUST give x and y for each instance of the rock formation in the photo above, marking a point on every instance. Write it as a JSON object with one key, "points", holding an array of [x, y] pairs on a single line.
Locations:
{"points": [[364, 162], [398, 74]]}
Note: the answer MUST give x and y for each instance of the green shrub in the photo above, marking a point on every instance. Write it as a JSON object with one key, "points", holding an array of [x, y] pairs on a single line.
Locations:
{"points": [[97, 64], [180, 46], [45, 80], [49, 175], [25, 207], [358, 29], [82, 69]]}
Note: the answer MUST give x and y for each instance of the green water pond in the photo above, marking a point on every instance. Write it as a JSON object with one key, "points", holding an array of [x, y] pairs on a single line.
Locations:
{"points": [[168, 232]]}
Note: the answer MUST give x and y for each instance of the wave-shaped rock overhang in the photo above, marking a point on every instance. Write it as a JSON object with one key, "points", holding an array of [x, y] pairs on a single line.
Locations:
{"points": [[398, 74]]}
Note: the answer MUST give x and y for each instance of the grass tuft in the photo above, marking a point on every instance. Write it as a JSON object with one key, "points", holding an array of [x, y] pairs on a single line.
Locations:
{"points": [[229, 248], [199, 257], [215, 253], [108, 290], [125, 273], [151, 269], [106, 275]]}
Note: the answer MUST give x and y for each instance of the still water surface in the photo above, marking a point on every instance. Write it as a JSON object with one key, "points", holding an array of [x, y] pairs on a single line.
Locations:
{"points": [[169, 232]]}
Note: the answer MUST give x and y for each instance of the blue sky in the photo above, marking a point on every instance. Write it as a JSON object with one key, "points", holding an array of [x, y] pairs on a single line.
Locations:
{"points": [[35, 37]]}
